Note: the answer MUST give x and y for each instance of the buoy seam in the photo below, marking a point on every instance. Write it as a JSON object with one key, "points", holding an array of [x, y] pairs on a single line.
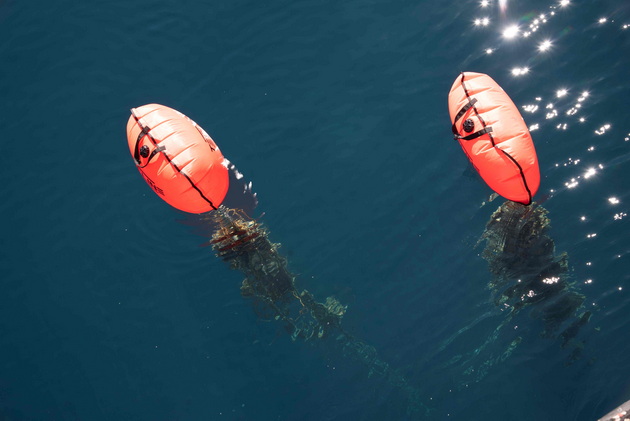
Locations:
{"points": [[520, 170], [171, 162], [529, 193]]}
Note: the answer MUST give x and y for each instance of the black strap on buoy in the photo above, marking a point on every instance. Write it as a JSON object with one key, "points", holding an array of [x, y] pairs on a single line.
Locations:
{"points": [[471, 103], [136, 151], [155, 152], [142, 152], [475, 135]]}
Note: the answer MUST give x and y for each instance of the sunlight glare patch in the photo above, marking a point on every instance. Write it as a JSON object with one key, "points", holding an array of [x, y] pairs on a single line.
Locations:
{"points": [[520, 71], [482, 22], [590, 172], [510, 32], [571, 184], [530, 108], [544, 46], [561, 93], [602, 129]]}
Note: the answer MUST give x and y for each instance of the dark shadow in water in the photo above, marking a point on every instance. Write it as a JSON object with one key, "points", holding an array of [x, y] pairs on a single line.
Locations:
{"points": [[526, 273], [244, 244]]}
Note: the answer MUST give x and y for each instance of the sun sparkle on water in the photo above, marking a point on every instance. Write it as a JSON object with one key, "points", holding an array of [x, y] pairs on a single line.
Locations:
{"points": [[510, 32], [482, 22], [520, 71], [544, 46], [561, 93]]}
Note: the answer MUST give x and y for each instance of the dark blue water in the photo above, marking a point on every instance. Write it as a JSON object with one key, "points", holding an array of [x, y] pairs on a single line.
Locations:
{"points": [[337, 112]]}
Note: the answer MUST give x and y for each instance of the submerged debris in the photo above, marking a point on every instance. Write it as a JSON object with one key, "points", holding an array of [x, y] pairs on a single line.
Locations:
{"points": [[244, 244], [527, 271]]}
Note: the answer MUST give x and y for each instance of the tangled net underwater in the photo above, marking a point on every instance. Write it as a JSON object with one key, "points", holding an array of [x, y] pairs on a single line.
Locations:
{"points": [[526, 271], [243, 243], [527, 276]]}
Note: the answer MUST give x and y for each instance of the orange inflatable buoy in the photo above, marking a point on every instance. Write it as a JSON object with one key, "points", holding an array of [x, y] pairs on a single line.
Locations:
{"points": [[494, 136], [177, 158]]}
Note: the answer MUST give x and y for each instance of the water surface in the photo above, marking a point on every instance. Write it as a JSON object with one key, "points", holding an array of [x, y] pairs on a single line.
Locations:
{"points": [[337, 113]]}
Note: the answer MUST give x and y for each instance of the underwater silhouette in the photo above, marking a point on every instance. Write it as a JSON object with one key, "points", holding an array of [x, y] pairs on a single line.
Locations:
{"points": [[243, 243], [526, 271], [527, 277]]}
